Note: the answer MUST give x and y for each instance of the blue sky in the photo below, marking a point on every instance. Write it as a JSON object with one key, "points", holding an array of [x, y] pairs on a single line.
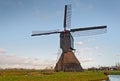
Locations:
{"points": [[18, 18]]}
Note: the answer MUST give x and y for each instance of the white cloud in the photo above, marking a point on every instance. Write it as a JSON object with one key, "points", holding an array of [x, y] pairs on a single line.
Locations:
{"points": [[87, 55], [96, 47], [87, 50], [87, 60], [2, 51], [84, 51], [117, 54], [91, 40], [79, 43], [12, 61], [99, 55]]}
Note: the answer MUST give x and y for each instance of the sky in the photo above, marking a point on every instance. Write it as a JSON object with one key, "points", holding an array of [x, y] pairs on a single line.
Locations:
{"points": [[18, 18]]}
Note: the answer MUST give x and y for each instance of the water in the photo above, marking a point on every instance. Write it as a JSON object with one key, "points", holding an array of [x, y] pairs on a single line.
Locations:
{"points": [[114, 77]]}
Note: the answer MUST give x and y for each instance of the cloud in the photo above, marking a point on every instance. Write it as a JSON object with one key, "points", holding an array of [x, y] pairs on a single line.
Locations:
{"points": [[12, 61], [2, 51], [91, 40], [99, 55], [88, 50], [117, 54], [96, 47], [87, 60], [84, 51], [79, 43]]}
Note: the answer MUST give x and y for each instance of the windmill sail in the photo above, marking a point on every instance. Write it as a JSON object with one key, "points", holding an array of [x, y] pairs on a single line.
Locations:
{"points": [[38, 33], [67, 16], [89, 31]]}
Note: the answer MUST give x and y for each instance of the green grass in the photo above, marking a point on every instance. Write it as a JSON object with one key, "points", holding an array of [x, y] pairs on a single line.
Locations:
{"points": [[36, 75], [114, 72]]}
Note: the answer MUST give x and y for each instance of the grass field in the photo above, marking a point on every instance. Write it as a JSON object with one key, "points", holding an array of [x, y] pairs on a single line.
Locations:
{"points": [[114, 72], [36, 75]]}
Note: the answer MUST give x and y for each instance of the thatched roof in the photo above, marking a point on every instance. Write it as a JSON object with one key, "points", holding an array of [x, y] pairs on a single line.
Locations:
{"points": [[68, 62]]}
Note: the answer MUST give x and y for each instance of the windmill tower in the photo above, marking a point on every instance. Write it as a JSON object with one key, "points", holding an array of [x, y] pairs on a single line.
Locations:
{"points": [[68, 61]]}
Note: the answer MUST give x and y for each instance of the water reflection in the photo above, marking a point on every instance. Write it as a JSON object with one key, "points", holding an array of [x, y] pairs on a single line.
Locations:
{"points": [[114, 77]]}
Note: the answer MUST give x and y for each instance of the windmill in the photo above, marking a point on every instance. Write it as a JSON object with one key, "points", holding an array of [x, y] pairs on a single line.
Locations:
{"points": [[68, 61]]}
